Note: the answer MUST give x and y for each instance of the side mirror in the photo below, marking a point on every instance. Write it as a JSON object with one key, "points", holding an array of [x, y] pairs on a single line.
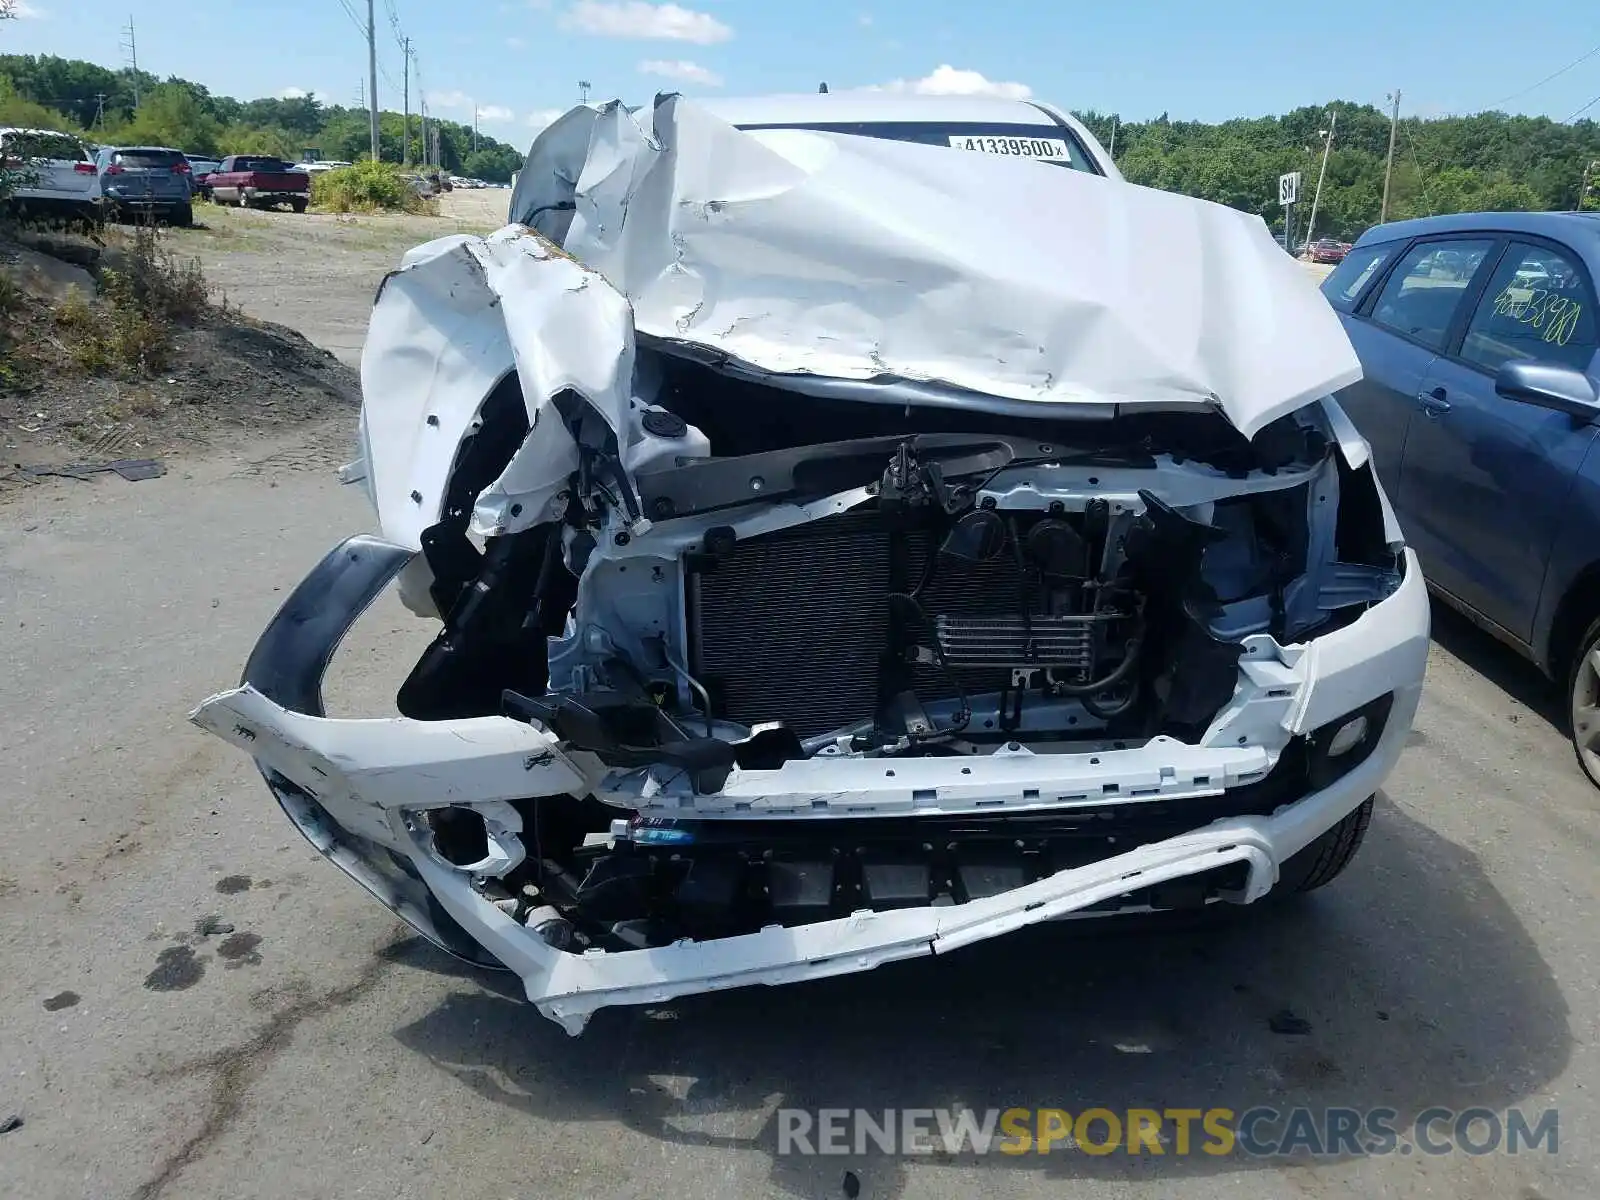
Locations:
{"points": [[1549, 385]]}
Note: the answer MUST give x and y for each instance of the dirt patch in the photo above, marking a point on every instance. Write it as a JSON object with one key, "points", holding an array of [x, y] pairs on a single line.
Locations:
{"points": [[77, 385]]}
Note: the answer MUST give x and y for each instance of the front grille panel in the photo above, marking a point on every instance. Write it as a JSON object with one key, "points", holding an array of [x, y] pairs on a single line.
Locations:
{"points": [[792, 626]]}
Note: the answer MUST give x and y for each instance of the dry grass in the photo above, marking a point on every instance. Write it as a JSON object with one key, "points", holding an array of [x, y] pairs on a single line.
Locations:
{"points": [[129, 329]]}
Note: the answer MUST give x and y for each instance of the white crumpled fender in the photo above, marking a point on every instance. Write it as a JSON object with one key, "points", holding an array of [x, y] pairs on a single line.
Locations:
{"points": [[459, 314]]}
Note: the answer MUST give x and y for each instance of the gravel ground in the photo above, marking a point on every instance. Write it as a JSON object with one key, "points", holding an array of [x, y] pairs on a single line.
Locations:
{"points": [[195, 1005], [317, 272]]}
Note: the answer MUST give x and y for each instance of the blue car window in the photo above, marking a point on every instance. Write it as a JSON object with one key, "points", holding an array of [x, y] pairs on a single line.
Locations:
{"points": [[1421, 295], [1343, 285], [1537, 307]]}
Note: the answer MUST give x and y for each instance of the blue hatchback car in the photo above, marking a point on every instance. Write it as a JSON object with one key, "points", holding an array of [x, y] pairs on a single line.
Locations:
{"points": [[1477, 334]]}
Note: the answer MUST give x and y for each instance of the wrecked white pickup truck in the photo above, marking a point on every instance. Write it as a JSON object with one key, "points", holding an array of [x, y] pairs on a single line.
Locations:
{"points": [[846, 548]]}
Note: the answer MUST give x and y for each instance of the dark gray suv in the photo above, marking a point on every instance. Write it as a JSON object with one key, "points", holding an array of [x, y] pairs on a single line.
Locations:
{"points": [[146, 180]]}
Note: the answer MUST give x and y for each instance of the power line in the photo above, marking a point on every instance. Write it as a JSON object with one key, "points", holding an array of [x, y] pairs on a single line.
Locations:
{"points": [[349, 11], [1553, 75], [394, 25], [1422, 179], [1582, 110]]}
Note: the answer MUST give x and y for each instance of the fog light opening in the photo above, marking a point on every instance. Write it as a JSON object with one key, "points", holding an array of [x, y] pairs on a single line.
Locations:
{"points": [[1348, 736], [460, 836]]}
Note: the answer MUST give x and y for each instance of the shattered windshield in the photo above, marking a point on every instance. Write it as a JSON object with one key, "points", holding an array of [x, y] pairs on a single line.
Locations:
{"points": [[1047, 142]]}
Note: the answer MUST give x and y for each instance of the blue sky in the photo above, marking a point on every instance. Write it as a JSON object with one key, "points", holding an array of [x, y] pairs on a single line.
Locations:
{"points": [[519, 61]]}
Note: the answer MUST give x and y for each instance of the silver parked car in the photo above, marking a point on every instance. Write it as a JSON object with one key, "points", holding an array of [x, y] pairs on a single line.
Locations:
{"points": [[55, 173]]}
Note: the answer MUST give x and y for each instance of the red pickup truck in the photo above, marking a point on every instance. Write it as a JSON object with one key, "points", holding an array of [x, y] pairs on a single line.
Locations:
{"points": [[256, 181]]}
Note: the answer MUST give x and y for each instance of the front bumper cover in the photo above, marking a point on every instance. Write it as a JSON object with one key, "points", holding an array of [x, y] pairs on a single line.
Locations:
{"points": [[352, 787]]}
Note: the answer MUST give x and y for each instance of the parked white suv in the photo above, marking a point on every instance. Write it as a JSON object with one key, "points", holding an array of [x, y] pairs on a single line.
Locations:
{"points": [[55, 173]]}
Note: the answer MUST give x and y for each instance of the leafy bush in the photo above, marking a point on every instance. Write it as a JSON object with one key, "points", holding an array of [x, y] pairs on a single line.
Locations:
{"points": [[366, 187]]}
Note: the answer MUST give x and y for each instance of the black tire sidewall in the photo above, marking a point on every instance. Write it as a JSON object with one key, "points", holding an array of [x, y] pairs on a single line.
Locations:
{"points": [[1586, 643]]}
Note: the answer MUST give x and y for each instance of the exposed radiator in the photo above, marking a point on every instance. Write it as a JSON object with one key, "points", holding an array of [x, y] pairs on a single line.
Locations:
{"points": [[1004, 641], [792, 626]]}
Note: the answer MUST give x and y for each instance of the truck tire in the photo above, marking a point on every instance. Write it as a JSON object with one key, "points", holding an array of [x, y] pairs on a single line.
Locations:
{"points": [[1326, 857], [244, 199], [298, 205], [183, 215], [1583, 701]]}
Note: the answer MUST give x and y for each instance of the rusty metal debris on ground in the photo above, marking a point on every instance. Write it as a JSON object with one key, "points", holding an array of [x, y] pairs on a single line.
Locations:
{"points": [[131, 469]]}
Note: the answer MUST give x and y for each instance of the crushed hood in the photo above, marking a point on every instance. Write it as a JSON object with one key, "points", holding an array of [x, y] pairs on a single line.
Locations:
{"points": [[806, 253]]}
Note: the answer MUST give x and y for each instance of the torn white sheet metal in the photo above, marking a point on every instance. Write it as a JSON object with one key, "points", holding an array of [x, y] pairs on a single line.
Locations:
{"points": [[460, 314], [367, 773], [814, 254], [801, 252], [570, 987]]}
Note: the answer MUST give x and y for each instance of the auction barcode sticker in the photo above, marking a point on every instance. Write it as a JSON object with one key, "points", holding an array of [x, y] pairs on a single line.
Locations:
{"points": [[1013, 147]]}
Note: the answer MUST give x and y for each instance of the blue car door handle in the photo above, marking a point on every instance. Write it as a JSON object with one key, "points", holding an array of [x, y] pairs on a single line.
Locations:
{"points": [[1434, 402]]}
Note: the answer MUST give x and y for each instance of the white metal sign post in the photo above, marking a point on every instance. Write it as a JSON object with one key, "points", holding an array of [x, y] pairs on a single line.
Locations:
{"points": [[1288, 193]]}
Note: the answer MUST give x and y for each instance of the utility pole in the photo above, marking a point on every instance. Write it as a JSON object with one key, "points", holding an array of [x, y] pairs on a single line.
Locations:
{"points": [[99, 109], [1388, 166], [132, 47], [405, 137], [583, 91], [372, 76], [1316, 196], [422, 103]]}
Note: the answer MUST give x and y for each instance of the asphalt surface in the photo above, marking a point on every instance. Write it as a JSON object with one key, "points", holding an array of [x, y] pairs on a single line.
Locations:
{"points": [[193, 1004]]}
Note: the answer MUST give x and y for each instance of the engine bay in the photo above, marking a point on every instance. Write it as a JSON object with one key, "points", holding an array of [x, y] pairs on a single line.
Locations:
{"points": [[966, 586], [939, 590]]}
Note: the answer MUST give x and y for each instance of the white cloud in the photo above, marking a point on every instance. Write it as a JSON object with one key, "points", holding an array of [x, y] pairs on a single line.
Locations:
{"points": [[29, 12], [539, 118], [680, 69], [946, 80], [463, 102], [292, 93], [516, 43], [864, 19], [639, 19]]}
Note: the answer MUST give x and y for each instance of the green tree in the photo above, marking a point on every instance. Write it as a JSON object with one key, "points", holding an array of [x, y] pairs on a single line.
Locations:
{"points": [[17, 111], [493, 166], [172, 115], [247, 139]]}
